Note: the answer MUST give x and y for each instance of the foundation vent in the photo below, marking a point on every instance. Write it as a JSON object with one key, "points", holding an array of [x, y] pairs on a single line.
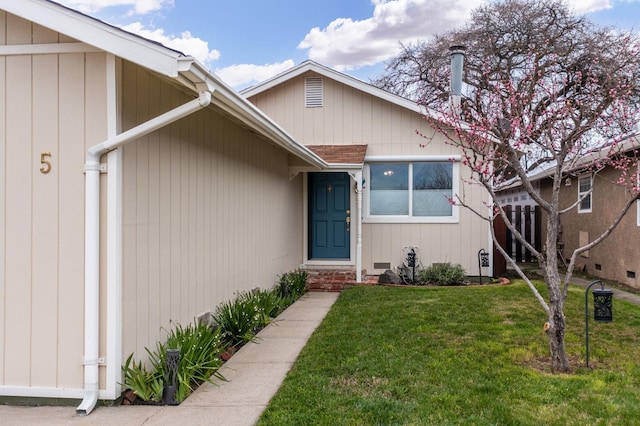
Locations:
{"points": [[381, 265]]}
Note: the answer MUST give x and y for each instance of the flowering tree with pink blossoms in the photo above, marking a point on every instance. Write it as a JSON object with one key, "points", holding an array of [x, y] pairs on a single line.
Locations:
{"points": [[541, 86]]}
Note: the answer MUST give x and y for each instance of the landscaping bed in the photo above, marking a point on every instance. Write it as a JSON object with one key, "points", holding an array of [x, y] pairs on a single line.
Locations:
{"points": [[193, 354]]}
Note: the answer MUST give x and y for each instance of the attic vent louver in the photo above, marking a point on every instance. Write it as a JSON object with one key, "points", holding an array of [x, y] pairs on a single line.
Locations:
{"points": [[313, 92]]}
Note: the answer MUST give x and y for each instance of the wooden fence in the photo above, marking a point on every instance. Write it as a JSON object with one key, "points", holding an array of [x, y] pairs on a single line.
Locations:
{"points": [[528, 221]]}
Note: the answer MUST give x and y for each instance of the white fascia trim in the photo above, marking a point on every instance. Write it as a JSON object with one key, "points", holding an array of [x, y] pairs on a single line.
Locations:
{"points": [[330, 262], [231, 102], [96, 33], [414, 219], [345, 166], [40, 392], [340, 77], [46, 49], [44, 392], [114, 240], [411, 158], [114, 275]]}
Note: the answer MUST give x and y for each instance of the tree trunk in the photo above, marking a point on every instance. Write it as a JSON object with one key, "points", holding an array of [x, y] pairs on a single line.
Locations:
{"points": [[557, 323], [559, 360]]}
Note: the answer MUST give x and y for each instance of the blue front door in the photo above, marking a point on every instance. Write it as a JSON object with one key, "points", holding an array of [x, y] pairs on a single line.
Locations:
{"points": [[328, 211]]}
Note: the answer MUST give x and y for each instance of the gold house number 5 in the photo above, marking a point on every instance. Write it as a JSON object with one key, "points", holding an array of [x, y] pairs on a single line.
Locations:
{"points": [[46, 164]]}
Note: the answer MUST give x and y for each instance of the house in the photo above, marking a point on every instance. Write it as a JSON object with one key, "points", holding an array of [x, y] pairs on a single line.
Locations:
{"points": [[390, 174], [602, 198], [139, 190]]}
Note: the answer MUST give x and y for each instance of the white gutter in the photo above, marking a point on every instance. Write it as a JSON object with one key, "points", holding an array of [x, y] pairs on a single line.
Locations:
{"points": [[235, 105], [92, 238]]}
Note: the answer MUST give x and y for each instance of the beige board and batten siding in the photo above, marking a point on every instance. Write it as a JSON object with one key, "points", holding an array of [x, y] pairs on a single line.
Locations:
{"points": [[48, 103], [208, 211], [350, 116]]}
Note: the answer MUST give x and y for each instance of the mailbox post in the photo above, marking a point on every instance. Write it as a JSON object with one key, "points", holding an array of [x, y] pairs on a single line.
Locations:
{"points": [[602, 310]]}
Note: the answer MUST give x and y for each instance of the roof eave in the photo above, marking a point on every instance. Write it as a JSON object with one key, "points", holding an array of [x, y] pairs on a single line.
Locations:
{"points": [[342, 78], [96, 33], [231, 102], [158, 58]]}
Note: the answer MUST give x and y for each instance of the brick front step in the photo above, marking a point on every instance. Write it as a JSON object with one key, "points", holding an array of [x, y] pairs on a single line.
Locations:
{"points": [[336, 280]]}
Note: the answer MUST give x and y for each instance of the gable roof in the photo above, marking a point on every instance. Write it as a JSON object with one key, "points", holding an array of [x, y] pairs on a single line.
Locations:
{"points": [[184, 69], [310, 65], [626, 144]]}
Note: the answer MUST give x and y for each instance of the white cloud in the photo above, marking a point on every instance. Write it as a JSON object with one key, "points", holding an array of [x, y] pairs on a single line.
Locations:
{"points": [[138, 7], [347, 44], [586, 6], [185, 43], [242, 75]]}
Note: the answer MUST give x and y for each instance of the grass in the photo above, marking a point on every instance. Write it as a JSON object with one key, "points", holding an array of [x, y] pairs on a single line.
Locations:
{"points": [[459, 355]]}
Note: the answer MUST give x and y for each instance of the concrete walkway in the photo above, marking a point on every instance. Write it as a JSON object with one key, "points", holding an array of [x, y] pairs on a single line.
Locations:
{"points": [[618, 294], [254, 374]]}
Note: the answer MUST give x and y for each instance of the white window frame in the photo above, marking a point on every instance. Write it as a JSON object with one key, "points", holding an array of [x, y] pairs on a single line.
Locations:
{"points": [[455, 189], [589, 192]]}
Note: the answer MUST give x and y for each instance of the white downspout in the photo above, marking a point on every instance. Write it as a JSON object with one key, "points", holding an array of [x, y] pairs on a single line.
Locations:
{"points": [[359, 227], [92, 238]]}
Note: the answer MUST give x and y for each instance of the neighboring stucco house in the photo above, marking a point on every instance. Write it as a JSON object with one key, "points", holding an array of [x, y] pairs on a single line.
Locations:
{"points": [[138, 189], [394, 171], [618, 256]]}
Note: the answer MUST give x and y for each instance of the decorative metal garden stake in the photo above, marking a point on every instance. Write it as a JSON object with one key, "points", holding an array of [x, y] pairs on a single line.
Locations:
{"points": [[411, 263], [170, 375], [602, 310], [483, 261], [285, 291]]}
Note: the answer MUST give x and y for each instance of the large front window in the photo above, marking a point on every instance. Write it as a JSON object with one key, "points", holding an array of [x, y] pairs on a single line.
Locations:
{"points": [[416, 191]]}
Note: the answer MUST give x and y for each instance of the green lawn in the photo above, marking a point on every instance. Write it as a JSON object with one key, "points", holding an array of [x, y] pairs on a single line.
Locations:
{"points": [[459, 355]]}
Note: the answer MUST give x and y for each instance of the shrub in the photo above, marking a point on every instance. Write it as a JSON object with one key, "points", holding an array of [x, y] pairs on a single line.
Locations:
{"points": [[268, 302], [443, 274], [147, 385], [200, 348], [237, 320], [293, 284]]}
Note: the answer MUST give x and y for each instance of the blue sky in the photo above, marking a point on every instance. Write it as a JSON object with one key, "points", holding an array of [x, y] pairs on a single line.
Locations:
{"points": [[247, 41]]}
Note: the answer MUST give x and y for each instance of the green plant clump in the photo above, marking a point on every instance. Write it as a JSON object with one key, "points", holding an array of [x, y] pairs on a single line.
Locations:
{"points": [[293, 285], [443, 274], [240, 319], [200, 348]]}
